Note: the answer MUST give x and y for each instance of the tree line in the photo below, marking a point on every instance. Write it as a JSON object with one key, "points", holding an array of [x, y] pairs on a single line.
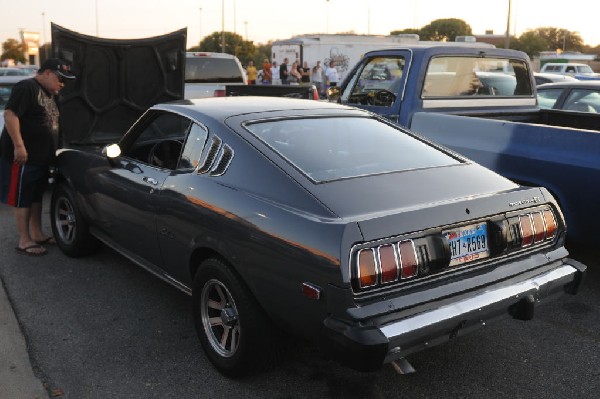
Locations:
{"points": [[532, 42]]}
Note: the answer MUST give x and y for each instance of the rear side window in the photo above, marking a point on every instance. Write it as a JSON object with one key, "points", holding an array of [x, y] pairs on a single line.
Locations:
{"points": [[583, 100], [473, 76], [547, 97], [327, 149], [212, 70]]}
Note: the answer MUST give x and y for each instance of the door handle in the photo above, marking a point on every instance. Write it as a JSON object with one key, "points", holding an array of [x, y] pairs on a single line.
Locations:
{"points": [[150, 180]]}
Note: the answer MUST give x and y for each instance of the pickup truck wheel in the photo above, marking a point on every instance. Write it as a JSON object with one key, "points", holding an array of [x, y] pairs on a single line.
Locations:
{"points": [[69, 228], [234, 331]]}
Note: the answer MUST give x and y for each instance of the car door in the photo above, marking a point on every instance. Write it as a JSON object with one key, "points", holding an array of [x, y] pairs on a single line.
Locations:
{"points": [[129, 190], [181, 219]]}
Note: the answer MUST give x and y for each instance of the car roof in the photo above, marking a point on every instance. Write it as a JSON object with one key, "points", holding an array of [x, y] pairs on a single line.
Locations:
{"points": [[555, 76], [208, 54], [221, 108], [566, 63], [591, 84]]}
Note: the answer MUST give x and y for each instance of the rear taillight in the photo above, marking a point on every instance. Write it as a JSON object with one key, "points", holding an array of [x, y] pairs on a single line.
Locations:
{"points": [[389, 264], [533, 228], [403, 260], [408, 259], [367, 268], [386, 264], [550, 223], [526, 230], [219, 93]]}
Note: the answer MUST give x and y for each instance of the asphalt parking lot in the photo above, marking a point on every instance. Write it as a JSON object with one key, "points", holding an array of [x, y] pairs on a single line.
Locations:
{"points": [[101, 327]]}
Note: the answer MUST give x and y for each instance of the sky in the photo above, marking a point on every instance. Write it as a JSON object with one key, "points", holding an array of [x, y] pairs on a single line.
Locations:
{"points": [[265, 20]]}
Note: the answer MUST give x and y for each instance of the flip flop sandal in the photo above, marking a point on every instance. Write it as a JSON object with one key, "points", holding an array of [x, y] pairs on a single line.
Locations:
{"points": [[27, 250], [47, 241]]}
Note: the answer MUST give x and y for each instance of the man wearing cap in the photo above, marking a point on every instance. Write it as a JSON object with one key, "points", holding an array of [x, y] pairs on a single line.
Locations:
{"points": [[27, 149]]}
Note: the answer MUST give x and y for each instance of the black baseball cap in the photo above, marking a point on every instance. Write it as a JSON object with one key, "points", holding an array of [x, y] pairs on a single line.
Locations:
{"points": [[58, 66]]}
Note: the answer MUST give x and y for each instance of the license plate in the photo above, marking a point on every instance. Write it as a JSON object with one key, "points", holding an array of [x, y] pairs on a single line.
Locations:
{"points": [[467, 243]]}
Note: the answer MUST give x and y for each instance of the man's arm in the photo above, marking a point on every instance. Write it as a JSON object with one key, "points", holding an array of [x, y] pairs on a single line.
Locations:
{"points": [[13, 127]]}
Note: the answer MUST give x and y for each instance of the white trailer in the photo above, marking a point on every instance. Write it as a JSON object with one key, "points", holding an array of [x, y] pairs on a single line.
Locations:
{"points": [[345, 50]]}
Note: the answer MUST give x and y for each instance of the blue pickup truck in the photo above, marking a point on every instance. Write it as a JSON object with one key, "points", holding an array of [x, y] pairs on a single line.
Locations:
{"points": [[481, 102]]}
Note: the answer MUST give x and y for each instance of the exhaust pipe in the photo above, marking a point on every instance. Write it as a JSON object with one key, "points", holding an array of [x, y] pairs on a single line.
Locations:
{"points": [[403, 367]]}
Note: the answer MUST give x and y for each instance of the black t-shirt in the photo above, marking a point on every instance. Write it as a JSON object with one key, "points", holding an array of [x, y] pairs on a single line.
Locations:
{"points": [[37, 111], [305, 75], [283, 72]]}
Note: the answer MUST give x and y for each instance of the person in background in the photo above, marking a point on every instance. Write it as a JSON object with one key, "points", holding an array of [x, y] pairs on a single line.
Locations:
{"points": [[27, 150], [295, 75], [252, 72], [283, 72], [275, 74], [305, 74], [316, 77], [266, 75], [332, 75]]}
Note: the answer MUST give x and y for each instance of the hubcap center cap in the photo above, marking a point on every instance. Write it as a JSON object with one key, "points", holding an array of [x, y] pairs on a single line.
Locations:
{"points": [[229, 317]]}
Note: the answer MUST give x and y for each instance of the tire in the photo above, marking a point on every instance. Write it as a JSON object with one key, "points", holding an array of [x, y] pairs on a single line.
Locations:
{"points": [[69, 228], [236, 335]]}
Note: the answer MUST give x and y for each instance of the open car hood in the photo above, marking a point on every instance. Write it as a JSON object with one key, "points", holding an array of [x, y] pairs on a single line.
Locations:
{"points": [[117, 80]]}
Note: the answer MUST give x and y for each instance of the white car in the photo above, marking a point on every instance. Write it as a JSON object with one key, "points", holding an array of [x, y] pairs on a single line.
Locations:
{"points": [[10, 71], [6, 85]]}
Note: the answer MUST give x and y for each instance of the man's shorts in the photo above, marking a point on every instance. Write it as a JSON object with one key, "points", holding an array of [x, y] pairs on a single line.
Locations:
{"points": [[22, 185]]}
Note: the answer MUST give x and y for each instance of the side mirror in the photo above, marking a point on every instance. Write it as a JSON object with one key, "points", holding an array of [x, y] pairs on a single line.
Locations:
{"points": [[111, 151], [334, 93]]}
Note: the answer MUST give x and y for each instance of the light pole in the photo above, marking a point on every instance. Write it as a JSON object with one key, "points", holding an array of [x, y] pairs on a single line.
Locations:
{"points": [[44, 37], [327, 18], [200, 26], [246, 29], [507, 37], [97, 34]]}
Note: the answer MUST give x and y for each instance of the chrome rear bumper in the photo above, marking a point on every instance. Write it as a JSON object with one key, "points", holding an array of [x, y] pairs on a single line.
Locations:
{"points": [[474, 310], [367, 343]]}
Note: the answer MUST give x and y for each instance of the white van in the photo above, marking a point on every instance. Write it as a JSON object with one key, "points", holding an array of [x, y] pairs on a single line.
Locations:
{"points": [[206, 74]]}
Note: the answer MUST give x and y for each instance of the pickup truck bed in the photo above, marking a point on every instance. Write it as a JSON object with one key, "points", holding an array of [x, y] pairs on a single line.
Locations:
{"points": [[482, 103], [531, 154]]}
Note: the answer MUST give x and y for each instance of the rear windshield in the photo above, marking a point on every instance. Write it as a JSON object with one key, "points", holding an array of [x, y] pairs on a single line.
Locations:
{"points": [[327, 149], [212, 70], [470, 76]]}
